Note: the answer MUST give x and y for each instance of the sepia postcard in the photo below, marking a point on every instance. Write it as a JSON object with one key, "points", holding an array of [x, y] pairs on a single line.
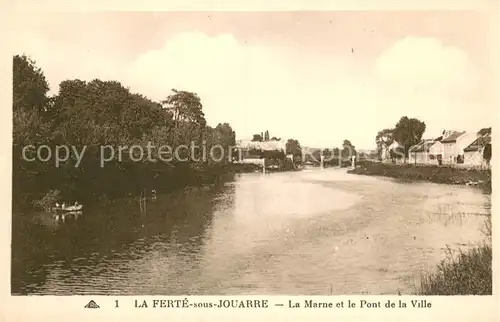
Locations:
{"points": [[242, 163]]}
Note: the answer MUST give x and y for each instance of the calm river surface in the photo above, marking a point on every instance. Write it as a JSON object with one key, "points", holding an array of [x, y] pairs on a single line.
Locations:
{"points": [[314, 232]]}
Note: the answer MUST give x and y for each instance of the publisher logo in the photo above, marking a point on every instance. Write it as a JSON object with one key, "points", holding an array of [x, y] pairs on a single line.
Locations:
{"points": [[92, 305]]}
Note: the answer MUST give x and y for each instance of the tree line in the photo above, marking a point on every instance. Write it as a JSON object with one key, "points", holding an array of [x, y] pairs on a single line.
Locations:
{"points": [[96, 113]]}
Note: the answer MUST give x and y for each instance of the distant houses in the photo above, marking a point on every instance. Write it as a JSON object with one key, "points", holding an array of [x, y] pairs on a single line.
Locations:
{"points": [[456, 148], [427, 152], [454, 144], [387, 153]]}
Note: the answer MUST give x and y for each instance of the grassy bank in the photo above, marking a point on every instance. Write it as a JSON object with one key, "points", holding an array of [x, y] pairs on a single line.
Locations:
{"points": [[436, 174], [469, 273], [164, 179]]}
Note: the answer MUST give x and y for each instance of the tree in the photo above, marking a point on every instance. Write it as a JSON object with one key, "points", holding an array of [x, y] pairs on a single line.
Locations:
{"points": [[186, 110], [484, 131], [293, 147], [185, 106], [314, 156], [266, 136], [408, 132], [31, 124], [29, 85], [97, 113], [226, 136], [348, 150], [487, 153], [383, 139], [275, 139], [257, 138]]}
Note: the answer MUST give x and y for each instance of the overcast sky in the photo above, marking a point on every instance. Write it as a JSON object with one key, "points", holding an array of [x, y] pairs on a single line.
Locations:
{"points": [[316, 77]]}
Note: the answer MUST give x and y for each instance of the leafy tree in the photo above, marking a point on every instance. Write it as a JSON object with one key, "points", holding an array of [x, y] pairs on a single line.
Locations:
{"points": [[487, 153], [31, 124], [225, 137], [228, 136], [383, 139], [101, 113], [293, 147], [29, 85], [484, 131], [314, 156], [266, 136], [186, 109], [257, 138], [185, 106], [408, 132], [348, 150]]}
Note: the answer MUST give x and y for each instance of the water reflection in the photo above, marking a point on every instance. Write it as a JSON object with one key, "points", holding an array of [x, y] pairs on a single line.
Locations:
{"points": [[314, 232]]}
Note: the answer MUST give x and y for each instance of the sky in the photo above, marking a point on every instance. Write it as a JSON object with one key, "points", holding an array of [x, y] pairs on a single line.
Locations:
{"points": [[318, 77]]}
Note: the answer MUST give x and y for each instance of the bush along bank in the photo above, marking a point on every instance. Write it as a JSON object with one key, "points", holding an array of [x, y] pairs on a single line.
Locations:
{"points": [[437, 174], [468, 273]]}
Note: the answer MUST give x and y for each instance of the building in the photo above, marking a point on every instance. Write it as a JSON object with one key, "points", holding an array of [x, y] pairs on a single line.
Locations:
{"points": [[474, 152], [386, 152], [427, 152], [255, 151], [454, 143]]}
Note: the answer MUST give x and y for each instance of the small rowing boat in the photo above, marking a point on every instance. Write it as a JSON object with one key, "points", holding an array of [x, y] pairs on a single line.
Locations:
{"points": [[68, 209]]}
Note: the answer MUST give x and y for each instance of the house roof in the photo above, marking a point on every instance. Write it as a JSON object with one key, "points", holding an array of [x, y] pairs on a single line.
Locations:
{"points": [[423, 146], [452, 137], [478, 144]]}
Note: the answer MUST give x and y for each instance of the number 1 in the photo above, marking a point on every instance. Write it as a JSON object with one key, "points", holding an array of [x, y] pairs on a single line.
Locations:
{"points": [[116, 303]]}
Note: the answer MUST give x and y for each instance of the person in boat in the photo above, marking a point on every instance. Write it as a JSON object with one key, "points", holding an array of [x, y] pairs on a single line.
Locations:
{"points": [[76, 207]]}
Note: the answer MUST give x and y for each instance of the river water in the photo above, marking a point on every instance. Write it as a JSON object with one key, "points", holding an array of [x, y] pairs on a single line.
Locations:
{"points": [[314, 232]]}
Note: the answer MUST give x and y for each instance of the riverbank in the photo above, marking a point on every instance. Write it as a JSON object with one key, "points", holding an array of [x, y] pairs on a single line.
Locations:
{"points": [[163, 179], [436, 174], [467, 273]]}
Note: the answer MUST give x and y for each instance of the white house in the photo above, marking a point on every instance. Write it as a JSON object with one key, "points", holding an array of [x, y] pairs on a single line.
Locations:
{"points": [[473, 153], [454, 143], [427, 152], [386, 151]]}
